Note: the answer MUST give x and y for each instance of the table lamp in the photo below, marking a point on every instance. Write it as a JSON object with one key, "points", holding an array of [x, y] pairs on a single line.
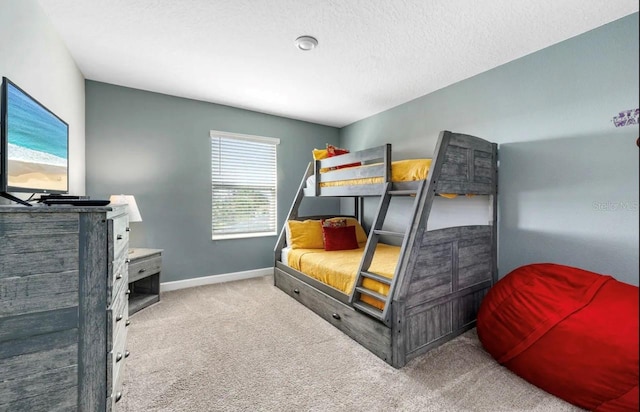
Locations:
{"points": [[132, 206]]}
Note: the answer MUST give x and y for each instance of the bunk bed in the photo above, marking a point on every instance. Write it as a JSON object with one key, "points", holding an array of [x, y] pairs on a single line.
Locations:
{"points": [[441, 276]]}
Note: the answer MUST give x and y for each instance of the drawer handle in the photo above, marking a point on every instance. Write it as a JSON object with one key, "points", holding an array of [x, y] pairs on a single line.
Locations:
{"points": [[126, 354], [128, 292], [336, 316], [119, 276], [128, 229], [296, 291], [118, 318], [118, 357], [127, 260], [118, 396], [142, 270], [119, 237], [127, 323]]}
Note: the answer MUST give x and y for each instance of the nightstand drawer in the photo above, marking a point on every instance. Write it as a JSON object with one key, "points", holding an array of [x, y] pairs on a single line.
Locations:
{"points": [[145, 270], [144, 267]]}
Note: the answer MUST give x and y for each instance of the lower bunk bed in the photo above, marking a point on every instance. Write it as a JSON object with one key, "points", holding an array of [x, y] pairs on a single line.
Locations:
{"points": [[398, 301]]}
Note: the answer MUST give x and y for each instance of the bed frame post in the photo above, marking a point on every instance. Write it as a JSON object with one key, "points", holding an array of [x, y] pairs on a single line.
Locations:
{"points": [[494, 223], [387, 162], [293, 214], [398, 350], [358, 206]]}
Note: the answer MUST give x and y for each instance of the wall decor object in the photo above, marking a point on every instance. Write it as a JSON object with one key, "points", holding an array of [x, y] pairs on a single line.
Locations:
{"points": [[626, 118]]}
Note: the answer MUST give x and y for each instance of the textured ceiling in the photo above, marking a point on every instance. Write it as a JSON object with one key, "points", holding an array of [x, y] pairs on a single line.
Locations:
{"points": [[372, 54]]}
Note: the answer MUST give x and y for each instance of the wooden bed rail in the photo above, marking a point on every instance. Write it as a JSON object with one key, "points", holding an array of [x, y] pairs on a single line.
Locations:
{"points": [[373, 155], [378, 160]]}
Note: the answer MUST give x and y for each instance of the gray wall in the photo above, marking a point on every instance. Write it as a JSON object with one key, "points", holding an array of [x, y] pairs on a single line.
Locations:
{"points": [[34, 57], [568, 178], [157, 148]]}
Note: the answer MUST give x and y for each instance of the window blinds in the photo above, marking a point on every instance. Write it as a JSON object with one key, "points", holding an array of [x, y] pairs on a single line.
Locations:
{"points": [[243, 185]]}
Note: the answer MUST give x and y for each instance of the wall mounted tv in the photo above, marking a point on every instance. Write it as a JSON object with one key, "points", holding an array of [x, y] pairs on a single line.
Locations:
{"points": [[34, 146]]}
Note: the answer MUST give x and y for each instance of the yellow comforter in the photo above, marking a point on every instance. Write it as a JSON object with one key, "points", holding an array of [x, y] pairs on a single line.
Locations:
{"points": [[339, 268]]}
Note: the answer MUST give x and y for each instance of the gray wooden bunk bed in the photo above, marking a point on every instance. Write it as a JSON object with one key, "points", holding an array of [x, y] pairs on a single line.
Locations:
{"points": [[442, 275]]}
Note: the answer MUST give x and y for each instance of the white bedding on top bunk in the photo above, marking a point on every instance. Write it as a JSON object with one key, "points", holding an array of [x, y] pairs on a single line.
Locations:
{"points": [[311, 181]]}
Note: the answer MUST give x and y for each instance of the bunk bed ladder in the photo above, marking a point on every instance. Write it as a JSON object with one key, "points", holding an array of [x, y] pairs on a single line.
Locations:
{"points": [[367, 258]]}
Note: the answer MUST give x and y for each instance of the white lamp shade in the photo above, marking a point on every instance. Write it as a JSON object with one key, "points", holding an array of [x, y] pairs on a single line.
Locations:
{"points": [[132, 206]]}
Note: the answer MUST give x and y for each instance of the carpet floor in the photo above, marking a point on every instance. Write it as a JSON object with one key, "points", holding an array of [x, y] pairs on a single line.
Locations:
{"points": [[247, 346]]}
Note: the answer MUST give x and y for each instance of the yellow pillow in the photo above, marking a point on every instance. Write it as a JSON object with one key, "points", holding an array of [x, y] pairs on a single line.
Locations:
{"points": [[319, 154], [305, 234], [360, 233]]}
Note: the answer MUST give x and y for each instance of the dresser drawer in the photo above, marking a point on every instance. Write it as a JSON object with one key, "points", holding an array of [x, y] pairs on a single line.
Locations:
{"points": [[119, 235], [116, 392], [117, 313], [114, 334], [119, 307], [115, 358], [117, 280]]}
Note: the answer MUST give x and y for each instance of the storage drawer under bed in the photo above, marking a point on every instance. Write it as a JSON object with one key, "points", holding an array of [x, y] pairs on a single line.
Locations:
{"points": [[370, 333]]}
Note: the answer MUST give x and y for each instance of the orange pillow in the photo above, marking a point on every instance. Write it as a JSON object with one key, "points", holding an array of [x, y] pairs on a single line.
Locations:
{"points": [[339, 238]]}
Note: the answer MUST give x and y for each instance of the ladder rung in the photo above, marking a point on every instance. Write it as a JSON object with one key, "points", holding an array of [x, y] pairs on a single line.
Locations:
{"points": [[377, 277], [371, 293], [403, 192], [368, 309], [388, 233]]}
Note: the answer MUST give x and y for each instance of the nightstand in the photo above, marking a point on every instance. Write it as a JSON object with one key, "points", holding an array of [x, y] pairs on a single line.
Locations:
{"points": [[145, 266]]}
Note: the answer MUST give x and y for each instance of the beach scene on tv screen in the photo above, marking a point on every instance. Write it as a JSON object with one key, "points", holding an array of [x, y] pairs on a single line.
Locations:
{"points": [[37, 145]]}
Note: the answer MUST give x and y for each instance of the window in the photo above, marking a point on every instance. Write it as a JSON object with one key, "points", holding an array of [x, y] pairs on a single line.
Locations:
{"points": [[243, 185]]}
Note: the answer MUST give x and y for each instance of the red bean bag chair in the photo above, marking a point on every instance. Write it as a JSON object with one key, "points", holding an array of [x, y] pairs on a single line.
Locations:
{"points": [[568, 331]]}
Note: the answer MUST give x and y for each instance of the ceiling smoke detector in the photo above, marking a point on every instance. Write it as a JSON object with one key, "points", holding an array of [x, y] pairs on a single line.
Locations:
{"points": [[306, 43]]}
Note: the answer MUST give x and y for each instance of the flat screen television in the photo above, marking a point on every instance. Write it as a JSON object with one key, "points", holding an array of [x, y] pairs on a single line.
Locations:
{"points": [[34, 146]]}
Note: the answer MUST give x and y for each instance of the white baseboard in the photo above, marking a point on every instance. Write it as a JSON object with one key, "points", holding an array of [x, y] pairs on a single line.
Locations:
{"points": [[208, 280]]}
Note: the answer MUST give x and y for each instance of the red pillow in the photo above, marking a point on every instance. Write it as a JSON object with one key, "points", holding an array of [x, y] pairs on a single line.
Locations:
{"points": [[340, 238], [336, 151]]}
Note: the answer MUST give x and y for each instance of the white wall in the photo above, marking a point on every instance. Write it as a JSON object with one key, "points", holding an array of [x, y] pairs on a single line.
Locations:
{"points": [[34, 57]]}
